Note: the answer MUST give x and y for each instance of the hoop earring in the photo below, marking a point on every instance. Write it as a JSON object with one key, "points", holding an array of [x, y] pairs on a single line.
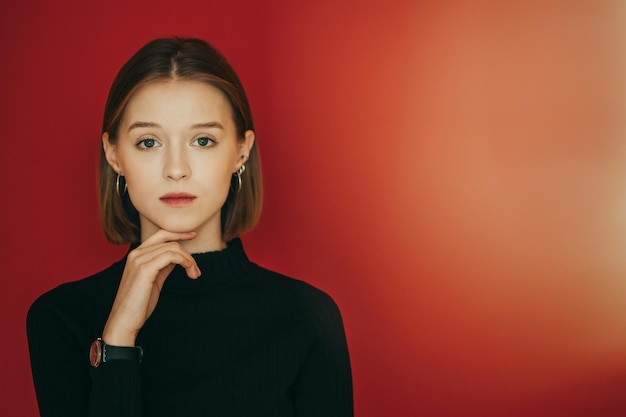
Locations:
{"points": [[239, 172], [117, 185]]}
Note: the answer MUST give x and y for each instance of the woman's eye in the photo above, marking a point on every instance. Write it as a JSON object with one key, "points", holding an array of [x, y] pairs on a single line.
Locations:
{"points": [[204, 141], [147, 143]]}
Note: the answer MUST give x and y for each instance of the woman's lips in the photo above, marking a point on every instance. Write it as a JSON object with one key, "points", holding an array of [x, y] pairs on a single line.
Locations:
{"points": [[177, 199]]}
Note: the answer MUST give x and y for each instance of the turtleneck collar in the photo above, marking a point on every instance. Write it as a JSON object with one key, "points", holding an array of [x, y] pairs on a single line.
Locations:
{"points": [[221, 268]]}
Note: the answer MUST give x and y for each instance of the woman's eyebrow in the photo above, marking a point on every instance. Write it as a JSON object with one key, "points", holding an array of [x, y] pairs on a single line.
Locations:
{"points": [[138, 125], [208, 125]]}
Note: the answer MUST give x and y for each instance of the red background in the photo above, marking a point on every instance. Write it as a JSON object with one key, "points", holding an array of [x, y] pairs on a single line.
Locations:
{"points": [[452, 173]]}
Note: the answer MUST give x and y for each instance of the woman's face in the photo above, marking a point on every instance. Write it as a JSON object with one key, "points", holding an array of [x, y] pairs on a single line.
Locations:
{"points": [[178, 149]]}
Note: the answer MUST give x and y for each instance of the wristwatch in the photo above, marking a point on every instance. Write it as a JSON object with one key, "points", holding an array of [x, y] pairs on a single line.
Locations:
{"points": [[100, 353]]}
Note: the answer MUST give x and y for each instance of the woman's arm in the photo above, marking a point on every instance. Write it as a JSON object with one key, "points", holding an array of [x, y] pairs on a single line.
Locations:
{"points": [[324, 384], [65, 383], [147, 267], [59, 362]]}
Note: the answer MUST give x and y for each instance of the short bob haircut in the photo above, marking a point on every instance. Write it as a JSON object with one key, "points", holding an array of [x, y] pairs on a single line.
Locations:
{"points": [[178, 59]]}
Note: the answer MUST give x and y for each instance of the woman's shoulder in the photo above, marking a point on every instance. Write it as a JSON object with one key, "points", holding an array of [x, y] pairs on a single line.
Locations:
{"points": [[281, 282], [74, 295], [296, 291], [72, 314]]}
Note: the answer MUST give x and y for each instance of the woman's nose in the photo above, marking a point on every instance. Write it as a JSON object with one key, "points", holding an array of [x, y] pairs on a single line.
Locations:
{"points": [[176, 166]]}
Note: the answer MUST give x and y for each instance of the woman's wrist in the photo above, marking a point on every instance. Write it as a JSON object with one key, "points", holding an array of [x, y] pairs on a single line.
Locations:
{"points": [[116, 337]]}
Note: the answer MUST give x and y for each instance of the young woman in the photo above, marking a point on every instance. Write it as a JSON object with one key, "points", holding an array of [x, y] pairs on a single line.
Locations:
{"points": [[184, 324]]}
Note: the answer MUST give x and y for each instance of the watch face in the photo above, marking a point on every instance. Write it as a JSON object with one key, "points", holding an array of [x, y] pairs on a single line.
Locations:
{"points": [[95, 353]]}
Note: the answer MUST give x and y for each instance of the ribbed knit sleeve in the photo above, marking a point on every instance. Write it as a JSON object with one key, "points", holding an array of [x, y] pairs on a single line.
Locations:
{"points": [[61, 379], [60, 325], [324, 383], [115, 390], [65, 383]]}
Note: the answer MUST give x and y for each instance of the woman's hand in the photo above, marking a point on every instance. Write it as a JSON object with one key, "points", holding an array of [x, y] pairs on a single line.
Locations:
{"points": [[146, 269]]}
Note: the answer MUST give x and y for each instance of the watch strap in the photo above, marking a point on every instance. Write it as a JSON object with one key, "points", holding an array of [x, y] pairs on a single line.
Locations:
{"points": [[129, 353], [100, 353]]}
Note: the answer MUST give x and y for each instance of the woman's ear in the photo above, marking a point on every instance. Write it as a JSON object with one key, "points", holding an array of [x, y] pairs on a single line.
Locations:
{"points": [[245, 146], [110, 152]]}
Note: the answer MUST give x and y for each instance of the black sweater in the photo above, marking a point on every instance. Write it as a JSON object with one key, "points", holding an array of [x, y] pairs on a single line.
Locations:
{"points": [[239, 341]]}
